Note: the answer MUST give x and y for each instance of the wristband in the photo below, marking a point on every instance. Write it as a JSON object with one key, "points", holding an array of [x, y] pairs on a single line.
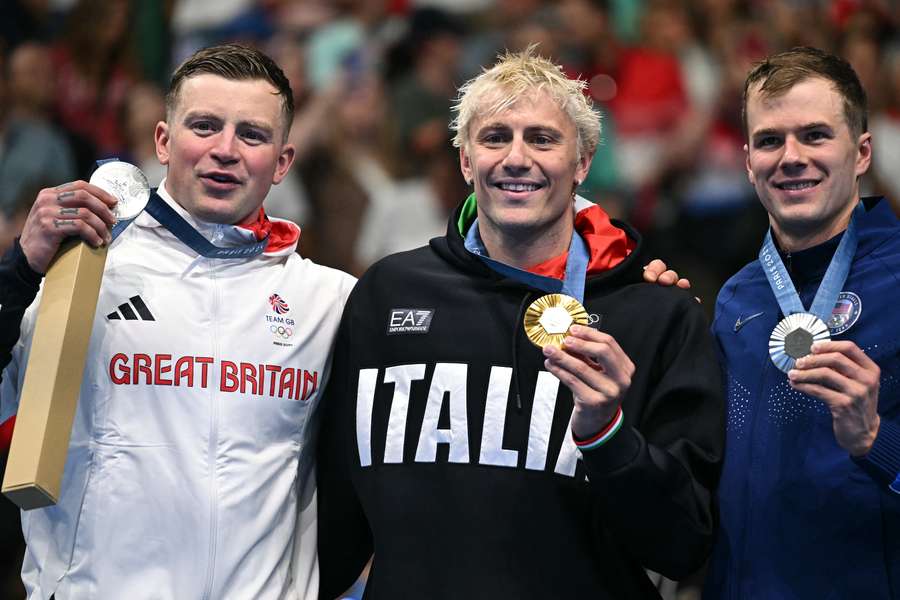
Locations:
{"points": [[604, 435]]}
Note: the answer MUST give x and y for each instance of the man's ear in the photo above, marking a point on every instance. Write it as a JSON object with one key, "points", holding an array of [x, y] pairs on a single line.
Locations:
{"points": [[285, 160], [583, 167], [161, 138], [465, 165], [864, 153], [747, 165]]}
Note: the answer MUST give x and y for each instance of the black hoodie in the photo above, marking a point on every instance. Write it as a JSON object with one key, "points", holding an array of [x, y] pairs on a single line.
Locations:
{"points": [[445, 444]]}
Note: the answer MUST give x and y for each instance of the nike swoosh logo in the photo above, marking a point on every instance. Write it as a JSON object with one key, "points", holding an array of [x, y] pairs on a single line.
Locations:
{"points": [[741, 321]]}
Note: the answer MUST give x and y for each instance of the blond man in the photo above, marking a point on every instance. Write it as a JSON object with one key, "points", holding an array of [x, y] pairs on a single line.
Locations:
{"points": [[472, 462]]}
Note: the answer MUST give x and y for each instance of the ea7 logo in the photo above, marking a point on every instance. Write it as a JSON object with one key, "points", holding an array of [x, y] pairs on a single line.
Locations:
{"points": [[409, 320]]}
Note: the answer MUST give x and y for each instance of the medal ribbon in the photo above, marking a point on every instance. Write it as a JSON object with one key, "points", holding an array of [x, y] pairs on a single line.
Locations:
{"points": [[120, 226], [835, 276], [171, 220], [576, 266]]}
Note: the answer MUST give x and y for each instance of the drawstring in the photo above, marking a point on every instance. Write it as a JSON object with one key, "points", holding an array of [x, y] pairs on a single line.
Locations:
{"points": [[515, 353]]}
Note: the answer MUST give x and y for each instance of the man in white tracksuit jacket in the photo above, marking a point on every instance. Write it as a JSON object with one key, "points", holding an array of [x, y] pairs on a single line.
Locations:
{"points": [[190, 466]]}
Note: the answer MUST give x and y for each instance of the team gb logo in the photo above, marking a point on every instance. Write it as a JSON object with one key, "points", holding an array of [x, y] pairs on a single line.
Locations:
{"points": [[278, 304]]}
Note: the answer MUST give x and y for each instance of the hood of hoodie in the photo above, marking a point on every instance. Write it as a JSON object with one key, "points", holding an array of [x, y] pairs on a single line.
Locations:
{"points": [[615, 247]]}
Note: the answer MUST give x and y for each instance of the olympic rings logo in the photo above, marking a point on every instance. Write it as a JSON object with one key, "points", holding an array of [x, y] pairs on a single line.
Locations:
{"points": [[281, 331]]}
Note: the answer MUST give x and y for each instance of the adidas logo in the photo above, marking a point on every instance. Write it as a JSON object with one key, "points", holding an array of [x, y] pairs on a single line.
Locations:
{"points": [[133, 310]]}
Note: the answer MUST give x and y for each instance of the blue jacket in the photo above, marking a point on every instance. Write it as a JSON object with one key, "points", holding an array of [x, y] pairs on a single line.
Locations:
{"points": [[799, 517]]}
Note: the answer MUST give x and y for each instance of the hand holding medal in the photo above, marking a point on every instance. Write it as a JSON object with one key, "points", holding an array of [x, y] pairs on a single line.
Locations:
{"points": [[65, 235], [794, 336], [838, 373], [590, 363], [77, 209], [841, 375]]}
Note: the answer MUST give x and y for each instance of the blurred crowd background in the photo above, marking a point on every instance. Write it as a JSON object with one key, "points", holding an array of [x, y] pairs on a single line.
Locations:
{"points": [[374, 80]]}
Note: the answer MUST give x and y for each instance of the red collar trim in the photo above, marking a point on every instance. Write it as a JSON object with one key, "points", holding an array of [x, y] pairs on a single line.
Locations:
{"points": [[282, 234], [608, 244]]}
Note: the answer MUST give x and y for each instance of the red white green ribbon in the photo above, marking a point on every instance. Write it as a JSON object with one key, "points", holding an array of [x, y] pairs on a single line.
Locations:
{"points": [[604, 435]]}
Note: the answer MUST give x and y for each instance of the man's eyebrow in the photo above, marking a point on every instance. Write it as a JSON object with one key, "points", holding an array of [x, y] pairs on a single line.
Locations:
{"points": [[767, 131], [494, 125], [805, 127], [530, 129], [817, 125], [199, 114], [261, 125], [553, 131]]}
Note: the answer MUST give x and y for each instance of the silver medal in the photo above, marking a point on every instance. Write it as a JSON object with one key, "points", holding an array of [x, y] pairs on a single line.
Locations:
{"points": [[793, 338], [127, 183]]}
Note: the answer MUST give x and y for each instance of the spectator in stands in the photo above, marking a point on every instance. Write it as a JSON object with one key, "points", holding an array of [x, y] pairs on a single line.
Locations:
{"points": [[33, 151], [93, 63]]}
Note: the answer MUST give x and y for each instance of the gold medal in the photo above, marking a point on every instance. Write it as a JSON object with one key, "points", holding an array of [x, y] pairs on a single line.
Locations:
{"points": [[548, 319]]}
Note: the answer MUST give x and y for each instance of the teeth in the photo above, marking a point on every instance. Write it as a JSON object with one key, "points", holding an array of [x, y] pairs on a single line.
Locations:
{"points": [[800, 185], [518, 187]]}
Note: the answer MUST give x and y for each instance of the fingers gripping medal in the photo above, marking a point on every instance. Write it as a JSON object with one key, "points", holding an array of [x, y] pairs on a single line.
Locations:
{"points": [[548, 319], [128, 185], [793, 338]]}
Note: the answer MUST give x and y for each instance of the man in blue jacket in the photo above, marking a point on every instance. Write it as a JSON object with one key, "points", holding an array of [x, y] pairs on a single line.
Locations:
{"points": [[810, 495]]}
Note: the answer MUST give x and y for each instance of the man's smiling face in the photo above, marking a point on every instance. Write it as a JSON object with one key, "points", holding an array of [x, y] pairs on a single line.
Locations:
{"points": [[804, 161], [224, 147], [524, 163]]}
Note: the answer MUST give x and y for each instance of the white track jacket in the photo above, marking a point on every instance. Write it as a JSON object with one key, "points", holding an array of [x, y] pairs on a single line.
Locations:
{"points": [[190, 462]]}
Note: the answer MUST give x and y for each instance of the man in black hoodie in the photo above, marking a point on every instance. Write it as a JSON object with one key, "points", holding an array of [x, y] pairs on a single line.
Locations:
{"points": [[475, 464]]}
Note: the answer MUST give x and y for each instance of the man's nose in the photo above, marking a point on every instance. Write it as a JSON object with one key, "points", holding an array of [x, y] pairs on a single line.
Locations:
{"points": [[792, 156], [518, 158], [225, 148]]}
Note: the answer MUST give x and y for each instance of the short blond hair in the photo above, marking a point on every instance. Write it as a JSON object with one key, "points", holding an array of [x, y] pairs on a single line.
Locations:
{"points": [[519, 75]]}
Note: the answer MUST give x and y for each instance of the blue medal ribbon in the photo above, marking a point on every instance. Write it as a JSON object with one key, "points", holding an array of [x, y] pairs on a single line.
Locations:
{"points": [[576, 266], [835, 276], [120, 226], [171, 220]]}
